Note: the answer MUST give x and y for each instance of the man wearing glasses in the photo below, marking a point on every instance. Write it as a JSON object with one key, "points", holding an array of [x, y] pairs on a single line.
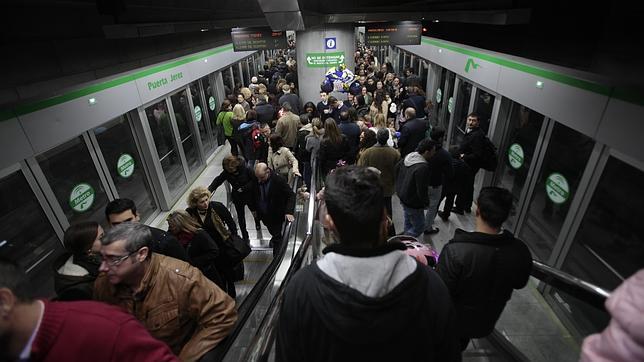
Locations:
{"points": [[175, 301], [124, 210]]}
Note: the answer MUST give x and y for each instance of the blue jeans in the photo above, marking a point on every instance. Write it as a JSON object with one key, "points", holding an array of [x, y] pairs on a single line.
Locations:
{"points": [[434, 201], [414, 221]]}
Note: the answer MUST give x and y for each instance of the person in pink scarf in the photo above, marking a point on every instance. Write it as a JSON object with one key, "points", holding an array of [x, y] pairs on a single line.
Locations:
{"points": [[623, 339]]}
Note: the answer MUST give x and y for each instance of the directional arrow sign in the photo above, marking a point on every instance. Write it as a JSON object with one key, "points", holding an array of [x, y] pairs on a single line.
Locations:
{"points": [[470, 63], [324, 60]]}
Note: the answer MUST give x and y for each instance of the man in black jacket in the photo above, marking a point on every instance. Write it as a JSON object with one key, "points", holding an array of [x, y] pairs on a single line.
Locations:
{"points": [[441, 171], [265, 111], [481, 268], [411, 133], [364, 300], [471, 149], [272, 201], [124, 210], [412, 182]]}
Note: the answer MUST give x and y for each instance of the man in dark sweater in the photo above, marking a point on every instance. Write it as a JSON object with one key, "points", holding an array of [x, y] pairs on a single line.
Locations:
{"points": [[365, 299], [40, 330], [471, 149], [124, 210], [411, 133], [481, 268]]}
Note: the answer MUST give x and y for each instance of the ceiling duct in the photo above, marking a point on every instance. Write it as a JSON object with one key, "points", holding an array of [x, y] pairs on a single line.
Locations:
{"points": [[282, 15]]}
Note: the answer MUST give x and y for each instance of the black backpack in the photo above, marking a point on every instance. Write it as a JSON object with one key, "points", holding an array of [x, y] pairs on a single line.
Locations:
{"points": [[300, 146], [489, 157]]}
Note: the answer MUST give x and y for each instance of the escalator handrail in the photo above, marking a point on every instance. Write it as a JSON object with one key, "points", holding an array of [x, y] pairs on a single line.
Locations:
{"points": [[248, 305], [585, 291], [261, 344]]}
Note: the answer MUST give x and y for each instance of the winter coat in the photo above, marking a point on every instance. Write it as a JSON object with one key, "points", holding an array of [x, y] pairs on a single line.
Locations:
{"points": [[412, 181], [366, 305], [480, 271]]}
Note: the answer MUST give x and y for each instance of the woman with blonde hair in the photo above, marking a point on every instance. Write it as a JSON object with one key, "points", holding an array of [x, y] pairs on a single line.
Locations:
{"points": [[281, 159], [381, 122], [215, 218], [201, 249], [239, 117]]}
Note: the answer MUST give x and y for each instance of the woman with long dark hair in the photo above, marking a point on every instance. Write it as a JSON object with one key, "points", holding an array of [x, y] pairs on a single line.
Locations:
{"points": [[334, 147], [76, 270], [201, 249]]}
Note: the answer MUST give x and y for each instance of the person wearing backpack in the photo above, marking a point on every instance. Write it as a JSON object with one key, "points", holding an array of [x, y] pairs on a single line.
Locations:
{"points": [[303, 156], [472, 150]]}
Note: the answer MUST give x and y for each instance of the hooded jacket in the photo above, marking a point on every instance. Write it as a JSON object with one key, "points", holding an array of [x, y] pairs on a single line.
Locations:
{"points": [[366, 305], [412, 181], [480, 271]]}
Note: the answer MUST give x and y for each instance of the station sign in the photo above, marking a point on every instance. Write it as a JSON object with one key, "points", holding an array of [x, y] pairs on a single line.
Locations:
{"points": [[395, 33], [324, 60], [245, 39]]}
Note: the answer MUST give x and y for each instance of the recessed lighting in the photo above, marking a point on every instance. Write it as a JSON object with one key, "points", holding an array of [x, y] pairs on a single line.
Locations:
{"points": [[539, 84], [204, 29], [440, 50], [91, 101], [205, 60], [436, 20]]}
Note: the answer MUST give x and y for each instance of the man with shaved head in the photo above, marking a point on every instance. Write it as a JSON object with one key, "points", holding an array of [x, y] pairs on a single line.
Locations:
{"points": [[272, 201]]}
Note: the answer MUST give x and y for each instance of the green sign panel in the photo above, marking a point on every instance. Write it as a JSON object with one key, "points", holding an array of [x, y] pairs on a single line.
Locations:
{"points": [[211, 103], [324, 60], [125, 165], [450, 104], [198, 113], [81, 197], [439, 95], [557, 188], [515, 156]]}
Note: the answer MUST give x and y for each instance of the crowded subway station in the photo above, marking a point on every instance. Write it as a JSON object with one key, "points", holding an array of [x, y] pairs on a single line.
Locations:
{"points": [[296, 180]]}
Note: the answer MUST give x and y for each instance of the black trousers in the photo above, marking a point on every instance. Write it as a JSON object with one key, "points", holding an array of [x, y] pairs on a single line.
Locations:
{"points": [[466, 196], [241, 216]]}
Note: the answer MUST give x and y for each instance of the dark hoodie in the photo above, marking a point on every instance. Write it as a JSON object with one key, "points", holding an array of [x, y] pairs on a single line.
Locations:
{"points": [[412, 181], [366, 305], [480, 271]]}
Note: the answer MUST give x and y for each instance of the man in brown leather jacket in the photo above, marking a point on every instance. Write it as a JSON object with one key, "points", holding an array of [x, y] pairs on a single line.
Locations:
{"points": [[175, 302]]}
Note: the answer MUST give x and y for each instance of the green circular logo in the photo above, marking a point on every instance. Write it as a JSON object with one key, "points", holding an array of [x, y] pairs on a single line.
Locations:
{"points": [[557, 188], [450, 104], [439, 95], [211, 103], [515, 156], [125, 165], [81, 197], [198, 113]]}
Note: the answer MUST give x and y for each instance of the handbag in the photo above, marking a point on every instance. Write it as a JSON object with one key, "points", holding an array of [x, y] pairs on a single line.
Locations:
{"points": [[236, 249]]}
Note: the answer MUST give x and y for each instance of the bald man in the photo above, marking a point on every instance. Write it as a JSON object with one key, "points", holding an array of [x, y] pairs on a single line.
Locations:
{"points": [[272, 201]]}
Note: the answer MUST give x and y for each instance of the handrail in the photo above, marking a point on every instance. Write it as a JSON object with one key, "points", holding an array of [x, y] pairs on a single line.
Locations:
{"points": [[585, 291], [248, 305], [260, 345]]}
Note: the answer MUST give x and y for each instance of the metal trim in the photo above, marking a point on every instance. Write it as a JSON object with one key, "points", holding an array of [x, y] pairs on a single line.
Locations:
{"points": [[177, 142], [100, 164], [42, 200], [48, 192]]}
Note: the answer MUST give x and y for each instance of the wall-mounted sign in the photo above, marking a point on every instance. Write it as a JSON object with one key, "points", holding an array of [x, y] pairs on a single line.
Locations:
{"points": [[125, 165], [198, 113], [557, 188], [324, 60], [257, 39], [398, 33], [450, 104], [81, 198], [329, 43], [515, 156], [439, 95], [211, 103]]}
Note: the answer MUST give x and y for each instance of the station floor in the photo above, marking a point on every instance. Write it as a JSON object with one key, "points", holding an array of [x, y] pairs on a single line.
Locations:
{"points": [[527, 321]]}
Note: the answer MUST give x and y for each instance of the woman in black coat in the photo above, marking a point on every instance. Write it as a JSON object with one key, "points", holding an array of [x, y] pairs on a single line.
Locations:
{"points": [[241, 180], [334, 147], [215, 218], [201, 249]]}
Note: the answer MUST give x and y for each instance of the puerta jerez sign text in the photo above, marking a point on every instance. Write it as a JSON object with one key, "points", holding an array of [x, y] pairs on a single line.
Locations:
{"points": [[258, 39], [398, 33]]}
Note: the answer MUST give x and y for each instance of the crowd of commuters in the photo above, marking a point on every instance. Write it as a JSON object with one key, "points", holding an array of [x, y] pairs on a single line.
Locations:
{"points": [[363, 300]]}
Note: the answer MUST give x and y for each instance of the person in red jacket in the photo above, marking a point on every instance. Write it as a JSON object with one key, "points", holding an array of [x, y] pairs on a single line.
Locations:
{"points": [[39, 330]]}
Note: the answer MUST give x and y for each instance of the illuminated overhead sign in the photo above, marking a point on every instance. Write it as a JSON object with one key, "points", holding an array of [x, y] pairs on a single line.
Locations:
{"points": [[398, 33], [258, 39]]}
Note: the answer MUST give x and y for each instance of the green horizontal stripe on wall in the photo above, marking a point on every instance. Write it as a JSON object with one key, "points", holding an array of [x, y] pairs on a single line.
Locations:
{"points": [[45, 103], [619, 93]]}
